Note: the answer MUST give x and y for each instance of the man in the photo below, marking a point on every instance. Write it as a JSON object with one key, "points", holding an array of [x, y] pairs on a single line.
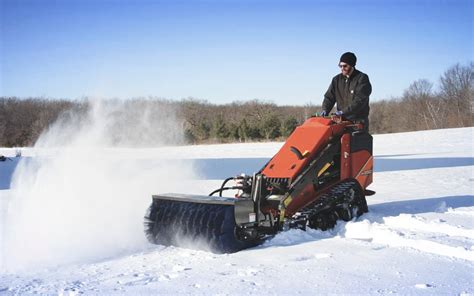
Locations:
{"points": [[350, 90]]}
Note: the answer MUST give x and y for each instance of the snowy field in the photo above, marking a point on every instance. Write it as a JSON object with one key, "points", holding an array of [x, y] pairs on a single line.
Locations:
{"points": [[71, 223]]}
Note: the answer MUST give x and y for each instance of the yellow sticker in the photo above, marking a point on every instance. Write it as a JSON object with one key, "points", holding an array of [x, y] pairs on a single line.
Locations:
{"points": [[287, 201], [325, 167]]}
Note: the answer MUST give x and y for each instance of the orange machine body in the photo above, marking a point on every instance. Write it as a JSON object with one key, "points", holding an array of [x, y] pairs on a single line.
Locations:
{"points": [[309, 140]]}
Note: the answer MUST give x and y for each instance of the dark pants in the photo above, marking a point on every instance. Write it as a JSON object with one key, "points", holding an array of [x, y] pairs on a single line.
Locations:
{"points": [[364, 121]]}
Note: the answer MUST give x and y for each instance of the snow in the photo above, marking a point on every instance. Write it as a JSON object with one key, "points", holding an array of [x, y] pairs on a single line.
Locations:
{"points": [[417, 238]]}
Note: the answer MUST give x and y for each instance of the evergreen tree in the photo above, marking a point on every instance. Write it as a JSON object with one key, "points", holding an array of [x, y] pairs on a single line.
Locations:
{"points": [[243, 130], [219, 129], [288, 126], [271, 127], [202, 131]]}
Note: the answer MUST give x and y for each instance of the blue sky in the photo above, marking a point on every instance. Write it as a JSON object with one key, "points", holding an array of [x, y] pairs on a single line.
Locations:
{"points": [[221, 51]]}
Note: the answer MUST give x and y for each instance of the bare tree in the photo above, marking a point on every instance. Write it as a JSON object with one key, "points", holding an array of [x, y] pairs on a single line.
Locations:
{"points": [[457, 85], [420, 105]]}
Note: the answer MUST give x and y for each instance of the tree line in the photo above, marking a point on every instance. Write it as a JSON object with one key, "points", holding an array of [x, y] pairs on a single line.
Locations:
{"points": [[419, 108]]}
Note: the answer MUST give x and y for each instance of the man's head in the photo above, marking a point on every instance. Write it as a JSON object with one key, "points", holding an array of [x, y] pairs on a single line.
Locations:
{"points": [[347, 62]]}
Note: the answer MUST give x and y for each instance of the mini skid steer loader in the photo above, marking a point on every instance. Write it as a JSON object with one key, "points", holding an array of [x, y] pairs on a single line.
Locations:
{"points": [[319, 176]]}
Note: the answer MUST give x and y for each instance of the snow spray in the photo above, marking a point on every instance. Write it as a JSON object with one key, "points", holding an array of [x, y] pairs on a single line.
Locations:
{"points": [[83, 196]]}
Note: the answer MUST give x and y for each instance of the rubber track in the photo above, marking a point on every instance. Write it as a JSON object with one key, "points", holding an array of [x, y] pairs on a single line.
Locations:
{"points": [[328, 209], [170, 222]]}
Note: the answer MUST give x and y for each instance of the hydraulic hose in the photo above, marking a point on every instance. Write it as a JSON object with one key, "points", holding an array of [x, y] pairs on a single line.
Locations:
{"points": [[225, 188]]}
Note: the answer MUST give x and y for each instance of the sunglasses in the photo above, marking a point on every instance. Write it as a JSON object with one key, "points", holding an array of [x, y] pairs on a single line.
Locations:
{"points": [[343, 66]]}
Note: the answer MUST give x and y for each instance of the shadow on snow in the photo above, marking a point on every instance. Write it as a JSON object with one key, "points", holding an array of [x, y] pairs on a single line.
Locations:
{"points": [[221, 168], [419, 206], [228, 167]]}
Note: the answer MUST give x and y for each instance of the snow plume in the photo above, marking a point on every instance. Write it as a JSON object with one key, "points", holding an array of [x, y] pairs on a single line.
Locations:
{"points": [[84, 195]]}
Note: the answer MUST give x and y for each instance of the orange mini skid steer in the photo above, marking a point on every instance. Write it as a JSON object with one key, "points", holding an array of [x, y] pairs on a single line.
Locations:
{"points": [[319, 176]]}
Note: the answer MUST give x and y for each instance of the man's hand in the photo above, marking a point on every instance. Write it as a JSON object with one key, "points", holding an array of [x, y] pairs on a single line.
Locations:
{"points": [[320, 114], [337, 117]]}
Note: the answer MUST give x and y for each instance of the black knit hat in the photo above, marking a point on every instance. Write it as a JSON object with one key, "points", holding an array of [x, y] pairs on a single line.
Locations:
{"points": [[348, 58]]}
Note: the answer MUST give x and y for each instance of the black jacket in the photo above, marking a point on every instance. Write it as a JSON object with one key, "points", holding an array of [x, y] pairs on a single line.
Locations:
{"points": [[351, 95]]}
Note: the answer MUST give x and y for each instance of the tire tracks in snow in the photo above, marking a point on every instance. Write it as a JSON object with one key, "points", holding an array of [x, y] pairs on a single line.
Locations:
{"points": [[414, 232]]}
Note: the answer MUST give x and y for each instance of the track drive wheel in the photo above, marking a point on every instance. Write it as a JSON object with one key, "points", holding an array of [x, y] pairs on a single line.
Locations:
{"points": [[351, 203], [324, 220], [345, 201]]}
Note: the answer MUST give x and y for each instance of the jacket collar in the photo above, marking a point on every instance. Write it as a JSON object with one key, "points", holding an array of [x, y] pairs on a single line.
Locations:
{"points": [[352, 75]]}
